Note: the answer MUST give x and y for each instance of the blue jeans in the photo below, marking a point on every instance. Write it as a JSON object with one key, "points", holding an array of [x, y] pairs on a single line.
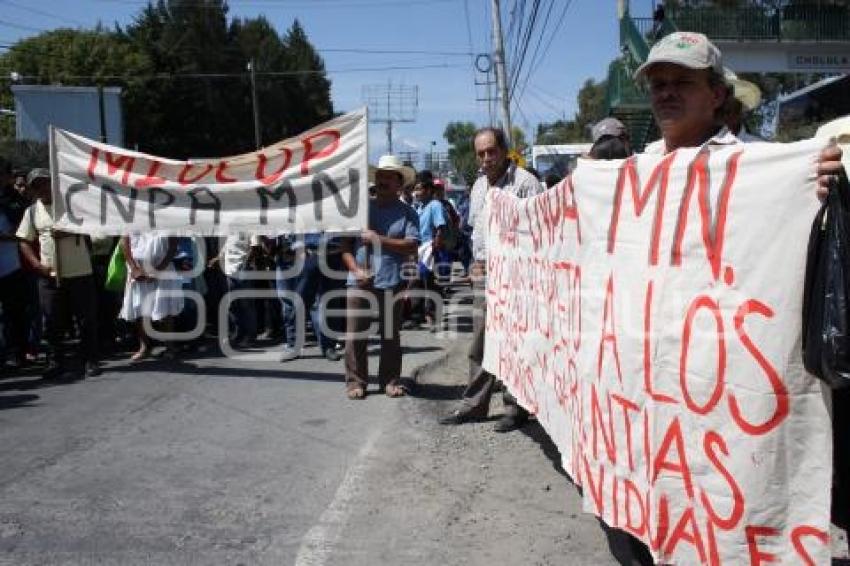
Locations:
{"points": [[309, 285]]}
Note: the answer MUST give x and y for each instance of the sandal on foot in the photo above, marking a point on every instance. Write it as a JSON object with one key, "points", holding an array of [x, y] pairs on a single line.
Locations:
{"points": [[394, 390], [140, 355], [356, 393]]}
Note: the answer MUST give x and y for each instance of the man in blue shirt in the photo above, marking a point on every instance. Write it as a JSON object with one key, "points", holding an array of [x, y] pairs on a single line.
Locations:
{"points": [[432, 226], [374, 263]]}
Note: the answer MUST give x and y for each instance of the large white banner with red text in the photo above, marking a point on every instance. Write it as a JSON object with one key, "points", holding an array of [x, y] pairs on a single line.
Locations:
{"points": [[310, 183], [648, 312]]}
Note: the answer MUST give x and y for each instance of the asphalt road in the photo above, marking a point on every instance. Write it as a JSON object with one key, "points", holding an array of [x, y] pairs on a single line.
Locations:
{"points": [[210, 460]]}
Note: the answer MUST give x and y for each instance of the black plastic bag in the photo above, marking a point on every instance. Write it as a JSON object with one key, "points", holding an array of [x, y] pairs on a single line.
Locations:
{"points": [[826, 299]]}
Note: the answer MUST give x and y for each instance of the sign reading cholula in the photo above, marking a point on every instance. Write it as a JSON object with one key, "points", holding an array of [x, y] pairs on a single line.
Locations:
{"points": [[819, 61]]}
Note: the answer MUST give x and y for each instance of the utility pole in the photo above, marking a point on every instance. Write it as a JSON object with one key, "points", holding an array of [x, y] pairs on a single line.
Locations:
{"points": [[253, 68], [501, 75], [101, 110], [389, 123]]}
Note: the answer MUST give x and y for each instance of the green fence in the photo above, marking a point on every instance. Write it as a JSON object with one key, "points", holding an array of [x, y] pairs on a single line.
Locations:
{"points": [[623, 90], [800, 22]]}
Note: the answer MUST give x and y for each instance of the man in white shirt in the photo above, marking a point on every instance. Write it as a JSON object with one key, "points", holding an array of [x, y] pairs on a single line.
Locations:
{"points": [[236, 257], [491, 150]]}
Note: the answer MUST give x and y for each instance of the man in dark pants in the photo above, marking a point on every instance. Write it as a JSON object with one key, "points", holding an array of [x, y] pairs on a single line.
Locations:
{"points": [[12, 278], [491, 150], [65, 280]]}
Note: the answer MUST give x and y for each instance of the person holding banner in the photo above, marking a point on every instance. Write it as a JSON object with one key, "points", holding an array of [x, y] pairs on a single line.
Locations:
{"points": [[688, 88], [374, 281], [689, 93], [491, 150], [65, 282]]}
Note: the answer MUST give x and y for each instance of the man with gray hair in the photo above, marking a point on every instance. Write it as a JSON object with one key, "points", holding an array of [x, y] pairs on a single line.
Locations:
{"points": [[500, 173]]}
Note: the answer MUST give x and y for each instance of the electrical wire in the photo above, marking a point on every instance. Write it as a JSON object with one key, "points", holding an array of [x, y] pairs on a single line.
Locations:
{"points": [[167, 76], [517, 68], [536, 64], [42, 13]]}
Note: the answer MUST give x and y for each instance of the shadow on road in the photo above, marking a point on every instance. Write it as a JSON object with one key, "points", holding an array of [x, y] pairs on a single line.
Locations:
{"points": [[186, 368], [15, 401], [625, 549], [435, 392]]}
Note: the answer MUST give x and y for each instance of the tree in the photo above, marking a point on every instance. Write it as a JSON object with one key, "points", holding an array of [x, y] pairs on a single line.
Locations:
{"points": [[182, 67], [591, 109], [311, 89], [460, 135], [72, 57]]}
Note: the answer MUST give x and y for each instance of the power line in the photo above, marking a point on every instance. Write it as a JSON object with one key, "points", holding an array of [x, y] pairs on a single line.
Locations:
{"points": [[526, 41], [300, 4], [555, 31], [165, 76], [400, 52], [531, 67], [42, 12], [20, 26]]}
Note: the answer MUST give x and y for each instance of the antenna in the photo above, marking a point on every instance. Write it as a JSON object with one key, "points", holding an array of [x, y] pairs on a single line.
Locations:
{"points": [[389, 103]]}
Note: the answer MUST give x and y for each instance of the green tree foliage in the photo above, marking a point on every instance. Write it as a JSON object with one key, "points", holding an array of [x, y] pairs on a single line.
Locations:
{"points": [[183, 67], [591, 109], [460, 135]]}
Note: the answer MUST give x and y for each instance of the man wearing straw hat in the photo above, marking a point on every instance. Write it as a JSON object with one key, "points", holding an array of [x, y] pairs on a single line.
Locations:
{"points": [[745, 97], [374, 265]]}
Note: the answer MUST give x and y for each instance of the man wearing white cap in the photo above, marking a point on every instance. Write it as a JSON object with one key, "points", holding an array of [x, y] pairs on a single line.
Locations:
{"points": [[688, 92], [374, 266]]}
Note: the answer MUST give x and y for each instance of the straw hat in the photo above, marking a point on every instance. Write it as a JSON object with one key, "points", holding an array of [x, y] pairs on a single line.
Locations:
{"points": [[747, 93], [393, 163]]}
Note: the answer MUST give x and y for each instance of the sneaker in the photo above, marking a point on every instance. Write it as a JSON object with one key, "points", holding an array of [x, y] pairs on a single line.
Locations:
{"points": [[290, 353], [334, 354], [93, 369]]}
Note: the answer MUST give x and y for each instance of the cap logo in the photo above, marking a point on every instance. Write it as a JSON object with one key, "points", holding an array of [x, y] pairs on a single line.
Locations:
{"points": [[687, 41]]}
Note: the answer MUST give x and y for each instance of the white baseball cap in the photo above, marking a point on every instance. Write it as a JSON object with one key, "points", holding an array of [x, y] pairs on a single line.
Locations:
{"points": [[688, 49]]}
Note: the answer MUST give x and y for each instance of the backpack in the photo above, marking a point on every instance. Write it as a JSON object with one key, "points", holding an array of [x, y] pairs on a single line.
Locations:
{"points": [[451, 235]]}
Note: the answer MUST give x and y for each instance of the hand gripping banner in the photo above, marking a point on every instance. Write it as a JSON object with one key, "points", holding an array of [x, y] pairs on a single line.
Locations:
{"points": [[310, 183], [648, 311]]}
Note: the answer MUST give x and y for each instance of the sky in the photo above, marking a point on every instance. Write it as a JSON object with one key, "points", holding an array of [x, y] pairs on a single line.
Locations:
{"points": [[404, 43]]}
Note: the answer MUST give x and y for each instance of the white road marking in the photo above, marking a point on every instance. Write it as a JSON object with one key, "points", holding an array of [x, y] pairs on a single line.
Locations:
{"points": [[320, 541]]}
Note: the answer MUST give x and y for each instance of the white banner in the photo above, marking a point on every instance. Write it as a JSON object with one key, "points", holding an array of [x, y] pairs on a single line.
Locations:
{"points": [[310, 183], [648, 312]]}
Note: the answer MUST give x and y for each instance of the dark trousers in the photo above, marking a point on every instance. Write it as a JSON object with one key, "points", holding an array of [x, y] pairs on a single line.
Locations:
{"points": [[108, 304], [74, 295], [244, 310], [389, 322], [13, 299], [476, 396]]}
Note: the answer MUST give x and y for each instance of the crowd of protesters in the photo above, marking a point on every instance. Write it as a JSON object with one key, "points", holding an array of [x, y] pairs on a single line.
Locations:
{"points": [[55, 288], [53, 284]]}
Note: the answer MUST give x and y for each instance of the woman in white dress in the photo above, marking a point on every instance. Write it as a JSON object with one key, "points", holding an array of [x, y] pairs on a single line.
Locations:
{"points": [[153, 288]]}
